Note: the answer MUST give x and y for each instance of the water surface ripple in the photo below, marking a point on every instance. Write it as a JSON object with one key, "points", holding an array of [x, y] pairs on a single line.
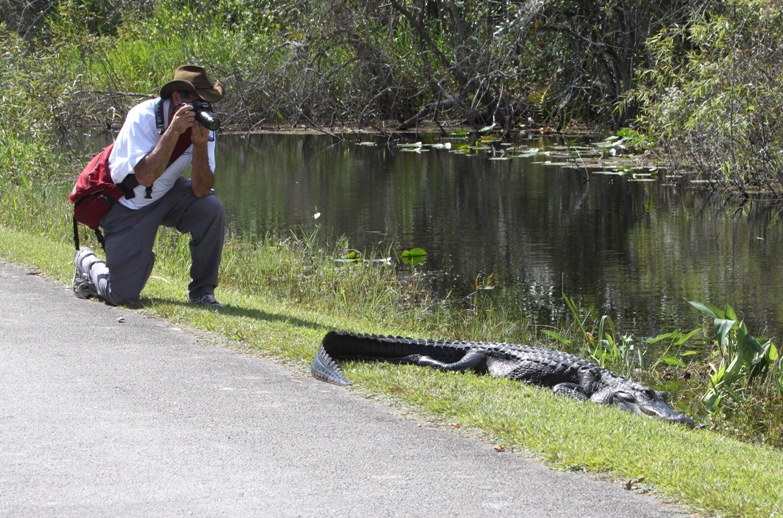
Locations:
{"points": [[634, 250]]}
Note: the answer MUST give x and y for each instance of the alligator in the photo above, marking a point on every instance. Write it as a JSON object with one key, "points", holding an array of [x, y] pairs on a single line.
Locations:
{"points": [[565, 373]]}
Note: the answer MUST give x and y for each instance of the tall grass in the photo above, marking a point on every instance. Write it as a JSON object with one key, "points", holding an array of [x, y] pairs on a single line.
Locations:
{"points": [[720, 373], [303, 269], [37, 171]]}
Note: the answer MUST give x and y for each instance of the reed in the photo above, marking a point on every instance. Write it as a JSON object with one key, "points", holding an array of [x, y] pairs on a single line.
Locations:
{"points": [[302, 268], [283, 293], [734, 478]]}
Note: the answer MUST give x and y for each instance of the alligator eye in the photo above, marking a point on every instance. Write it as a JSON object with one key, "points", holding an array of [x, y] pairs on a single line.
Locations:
{"points": [[650, 393]]}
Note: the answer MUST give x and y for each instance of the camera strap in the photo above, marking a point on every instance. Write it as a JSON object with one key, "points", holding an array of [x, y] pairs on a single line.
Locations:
{"points": [[159, 116]]}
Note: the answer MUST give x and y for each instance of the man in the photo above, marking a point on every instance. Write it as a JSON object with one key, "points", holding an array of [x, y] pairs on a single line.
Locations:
{"points": [[144, 149]]}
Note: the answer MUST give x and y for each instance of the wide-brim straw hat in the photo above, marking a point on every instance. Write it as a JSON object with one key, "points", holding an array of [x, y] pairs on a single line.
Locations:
{"points": [[192, 78]]}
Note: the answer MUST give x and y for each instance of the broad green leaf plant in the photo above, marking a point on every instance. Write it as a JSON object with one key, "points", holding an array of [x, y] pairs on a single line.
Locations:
{"points": [[743, 357]]}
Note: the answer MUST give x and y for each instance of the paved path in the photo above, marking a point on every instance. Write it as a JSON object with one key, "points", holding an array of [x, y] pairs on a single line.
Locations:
{"points": [[106, 418]]}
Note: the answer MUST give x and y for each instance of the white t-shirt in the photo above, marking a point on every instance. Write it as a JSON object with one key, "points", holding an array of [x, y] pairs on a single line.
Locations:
{"points": [[137, 137]]}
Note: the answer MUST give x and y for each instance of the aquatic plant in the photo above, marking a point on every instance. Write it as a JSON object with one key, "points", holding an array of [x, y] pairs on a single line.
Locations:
{"points": [[744, 359]]}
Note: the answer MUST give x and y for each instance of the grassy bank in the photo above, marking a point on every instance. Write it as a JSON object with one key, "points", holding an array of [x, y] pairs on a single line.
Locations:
{"points": [[284, 295]]}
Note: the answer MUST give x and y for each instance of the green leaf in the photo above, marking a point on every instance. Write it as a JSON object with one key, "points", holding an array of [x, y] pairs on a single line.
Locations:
{"points": [[717, 378], [762, 358], [752, 345], [664, 336], [721, 328], [671, 360], [602, 354], [557, 336], [733, 369], [414, 252], [686, 337], [707, 308], [711, 401], [414, 256], [730, 314]]}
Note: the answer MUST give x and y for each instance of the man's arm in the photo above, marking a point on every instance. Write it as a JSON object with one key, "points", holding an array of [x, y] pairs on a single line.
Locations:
{"points": [[201, 175], [151, 167], [155, 162]]}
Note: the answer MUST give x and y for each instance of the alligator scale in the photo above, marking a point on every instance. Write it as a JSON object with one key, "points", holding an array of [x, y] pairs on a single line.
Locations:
{"points": [[567, 374]]}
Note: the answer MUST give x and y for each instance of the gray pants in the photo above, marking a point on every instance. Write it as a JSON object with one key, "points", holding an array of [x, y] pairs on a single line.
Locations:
{"points": [[130, 236]]}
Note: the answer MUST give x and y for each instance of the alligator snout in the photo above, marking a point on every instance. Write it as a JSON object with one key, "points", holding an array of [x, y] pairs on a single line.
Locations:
{"points": [[644, 401]]}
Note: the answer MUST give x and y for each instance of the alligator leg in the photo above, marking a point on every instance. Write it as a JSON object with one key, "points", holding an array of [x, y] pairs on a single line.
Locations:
{"points": [[473, 361], [571, 390]]}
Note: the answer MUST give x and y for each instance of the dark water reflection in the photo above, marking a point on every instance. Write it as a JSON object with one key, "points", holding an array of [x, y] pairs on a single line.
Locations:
{"points": [[633, 250]]}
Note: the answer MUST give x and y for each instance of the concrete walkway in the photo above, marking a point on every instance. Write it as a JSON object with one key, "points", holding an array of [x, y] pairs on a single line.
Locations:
{"points": [[106, 412]]}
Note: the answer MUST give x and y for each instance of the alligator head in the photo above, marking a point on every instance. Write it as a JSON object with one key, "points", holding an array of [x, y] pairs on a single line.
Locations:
{"points": [[641, 400]]}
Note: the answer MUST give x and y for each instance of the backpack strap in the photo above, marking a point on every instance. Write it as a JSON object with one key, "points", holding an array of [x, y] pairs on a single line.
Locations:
{"points": [[159, 116], [128, 184], [98, 235], [75, 233]]}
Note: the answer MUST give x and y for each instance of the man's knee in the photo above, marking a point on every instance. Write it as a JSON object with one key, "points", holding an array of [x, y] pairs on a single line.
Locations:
{"points": [[215, 207], [211, 211], [126, 277]]}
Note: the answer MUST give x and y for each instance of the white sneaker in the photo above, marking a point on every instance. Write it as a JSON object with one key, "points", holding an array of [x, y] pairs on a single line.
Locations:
{"points": [[82, 284]]}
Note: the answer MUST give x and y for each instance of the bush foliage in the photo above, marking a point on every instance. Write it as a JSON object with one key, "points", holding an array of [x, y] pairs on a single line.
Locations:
{"points": [[714, 94], [699, 77]]}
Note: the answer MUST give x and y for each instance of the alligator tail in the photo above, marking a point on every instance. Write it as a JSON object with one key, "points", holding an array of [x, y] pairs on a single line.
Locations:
{"points": [[326, 369]]}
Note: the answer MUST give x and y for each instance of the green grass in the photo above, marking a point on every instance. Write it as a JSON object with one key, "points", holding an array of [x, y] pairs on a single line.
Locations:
{"points": [[703, 470], [283, 295]]}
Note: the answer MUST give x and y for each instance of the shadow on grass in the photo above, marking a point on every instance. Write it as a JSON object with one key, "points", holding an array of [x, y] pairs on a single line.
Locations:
{"points": [[229, 310]]}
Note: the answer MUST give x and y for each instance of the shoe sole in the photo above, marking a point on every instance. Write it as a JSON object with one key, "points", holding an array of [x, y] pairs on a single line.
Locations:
{"points": [[79, 289]]}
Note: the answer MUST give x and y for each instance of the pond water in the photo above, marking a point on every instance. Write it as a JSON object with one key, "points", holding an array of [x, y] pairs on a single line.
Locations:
{"points": [[635, 247]]}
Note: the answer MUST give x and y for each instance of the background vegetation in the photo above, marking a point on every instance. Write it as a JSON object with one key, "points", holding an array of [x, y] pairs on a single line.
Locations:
{"points": [[700, 78]]}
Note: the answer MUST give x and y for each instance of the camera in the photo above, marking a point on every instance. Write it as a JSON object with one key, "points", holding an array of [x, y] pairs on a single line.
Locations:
{"points": [[204, 114]]}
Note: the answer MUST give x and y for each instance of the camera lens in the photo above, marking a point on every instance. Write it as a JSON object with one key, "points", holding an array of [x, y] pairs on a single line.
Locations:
{"points": [[208, 119]]}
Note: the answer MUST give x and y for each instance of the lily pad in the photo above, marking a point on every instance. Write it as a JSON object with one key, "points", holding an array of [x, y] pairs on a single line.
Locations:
{"points": [[414, 256]]}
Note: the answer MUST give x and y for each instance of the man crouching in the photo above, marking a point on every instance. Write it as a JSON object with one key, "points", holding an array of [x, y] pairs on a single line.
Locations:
{"points": [[160, 139]]}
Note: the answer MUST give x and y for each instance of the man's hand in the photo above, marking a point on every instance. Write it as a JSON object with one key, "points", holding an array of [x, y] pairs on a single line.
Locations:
{"points": [[199, 134], [184, 118], [201, 175]]}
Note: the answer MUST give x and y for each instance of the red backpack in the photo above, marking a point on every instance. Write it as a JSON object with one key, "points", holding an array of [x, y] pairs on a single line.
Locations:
{"points": [[95, 192]]}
